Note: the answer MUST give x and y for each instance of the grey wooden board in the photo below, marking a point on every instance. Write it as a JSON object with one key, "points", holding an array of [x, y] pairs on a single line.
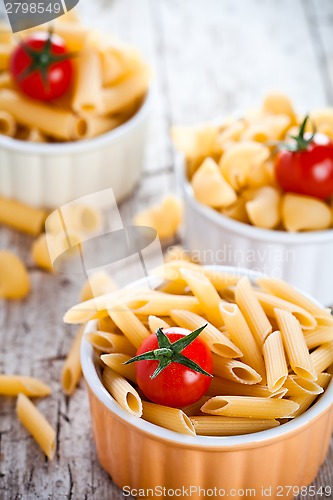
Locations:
{"points": [[209, 57]]}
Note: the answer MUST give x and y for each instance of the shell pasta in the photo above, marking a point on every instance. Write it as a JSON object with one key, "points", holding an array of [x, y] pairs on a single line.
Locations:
{"points": [[261, 379]]}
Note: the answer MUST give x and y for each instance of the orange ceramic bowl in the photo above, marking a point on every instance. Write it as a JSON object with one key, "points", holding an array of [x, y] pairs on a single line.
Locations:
{"points": [[139, 455]]}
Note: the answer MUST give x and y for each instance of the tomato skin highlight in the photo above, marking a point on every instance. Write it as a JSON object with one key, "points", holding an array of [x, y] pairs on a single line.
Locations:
{"points": [[59, 74], [176, 386], [308, 172]]}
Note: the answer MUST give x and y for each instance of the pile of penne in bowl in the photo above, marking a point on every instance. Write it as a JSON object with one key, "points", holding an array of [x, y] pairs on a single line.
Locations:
{"points": [[272, 347]]}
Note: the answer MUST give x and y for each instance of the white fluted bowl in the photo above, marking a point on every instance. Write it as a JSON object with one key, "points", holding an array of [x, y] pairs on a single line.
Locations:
{"points": [[50, 175], [303, 259]]}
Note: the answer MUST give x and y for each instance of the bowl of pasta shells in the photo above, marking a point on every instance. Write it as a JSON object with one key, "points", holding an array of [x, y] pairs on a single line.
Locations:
{"points": [[264, 417], [260, 188], [74, 108]]}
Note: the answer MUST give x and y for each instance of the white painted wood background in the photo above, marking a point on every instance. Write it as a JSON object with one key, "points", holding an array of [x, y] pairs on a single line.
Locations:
{"points": [[209, 57]]}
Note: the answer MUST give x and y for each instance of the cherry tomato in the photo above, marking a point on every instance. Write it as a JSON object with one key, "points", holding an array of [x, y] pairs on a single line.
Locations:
{"points": [[176, 385], [306, 167], [41, 66]]}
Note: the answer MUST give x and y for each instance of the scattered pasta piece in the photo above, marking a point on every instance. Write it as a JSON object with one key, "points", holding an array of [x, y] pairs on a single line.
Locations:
{"points": [[40, 253], [71, 371], [14, 278], [303, 213], [165, 218], [37, 425], [21, 217], [210, 187], [13, 385]]}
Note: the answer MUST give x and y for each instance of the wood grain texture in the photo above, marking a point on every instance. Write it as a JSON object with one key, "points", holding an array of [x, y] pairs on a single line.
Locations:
{"points": [[209, 57]]}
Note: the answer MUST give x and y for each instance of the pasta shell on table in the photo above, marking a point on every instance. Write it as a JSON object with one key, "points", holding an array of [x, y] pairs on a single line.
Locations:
{"points": [[304, 213], [238, 162], [210, 187], [14, 278], [40, 253]]}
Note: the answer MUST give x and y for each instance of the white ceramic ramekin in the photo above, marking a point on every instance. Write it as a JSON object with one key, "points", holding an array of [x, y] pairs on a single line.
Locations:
{"points": [[50, 175], [141, 455], [303, 259]]}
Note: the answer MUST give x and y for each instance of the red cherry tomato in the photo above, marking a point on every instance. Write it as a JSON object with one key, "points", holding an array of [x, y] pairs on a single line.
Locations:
{"points": [[308, 169], [176, 385], [41, 66]]}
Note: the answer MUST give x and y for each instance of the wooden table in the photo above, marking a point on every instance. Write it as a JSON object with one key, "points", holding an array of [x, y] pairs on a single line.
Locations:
{"points": [[210, 57]]}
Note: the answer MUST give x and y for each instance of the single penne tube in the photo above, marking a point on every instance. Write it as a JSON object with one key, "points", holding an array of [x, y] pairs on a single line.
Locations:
{"points": [[228, 426], [160, 303], [214, 338], [247, 407], [194, 408], [295, 346], [116, 361], [13, 385], [95, 308], [322, 357], [127, 91], [324, 319], [128, 323], [223, 387], [40, 253], [270, 303], [108, 342], [98, 125], [298, 386], [21, 217], [241, 335], [97, 284], [275, 361], [7, 124], [252, 310], [37, 425], [305, 401], [87, 93], [287, 292], [234, 370], [206, 294], [169, 418], [122, 392], [71, 371], [35, 135], [154, 323], [319, 336], [57, 123], [107, 325]]}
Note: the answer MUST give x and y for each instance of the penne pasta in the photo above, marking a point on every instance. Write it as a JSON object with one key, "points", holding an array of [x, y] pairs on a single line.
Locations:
{"points": [[71, 371], [154, 323], [275, 361], [241, 335], [206, 294], [252, 310], [107, 342], [37, 425], [322, 357], [116, 361], [13, 385], [298, 386], [270, 303], [7, 124], [125, 92], [304, 402], [247, 407], [160, 304], [294, 343], [87, 94], [223, 387], [319, 336], [21, 217], [287, 292], [60, 124], [5, 51], [128, 323], [228, 426], [234, 370], [194, 408], [216, 340], [122, 392], [169, 418]]}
